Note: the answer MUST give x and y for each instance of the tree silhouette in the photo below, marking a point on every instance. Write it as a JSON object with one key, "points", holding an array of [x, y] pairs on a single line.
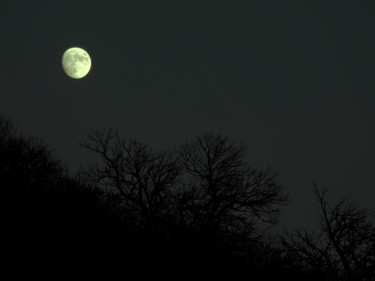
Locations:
{"points": [[49, 218], [140, 177], [221, 193], [202, 190], [114, 215], [26, 164], [344, 246]]}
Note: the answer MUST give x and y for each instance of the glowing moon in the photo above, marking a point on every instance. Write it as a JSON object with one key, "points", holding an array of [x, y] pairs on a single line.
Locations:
{"points": [[76, 62]]}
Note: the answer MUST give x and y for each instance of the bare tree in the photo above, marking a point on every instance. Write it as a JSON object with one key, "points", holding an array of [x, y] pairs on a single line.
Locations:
{"points": [[26, 164], [310, 251], [344, 247], [142, 178], [221, 192]]}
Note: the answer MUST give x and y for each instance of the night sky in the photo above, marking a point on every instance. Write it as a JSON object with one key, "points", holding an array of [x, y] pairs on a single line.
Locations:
{"points": [[293, 80]]}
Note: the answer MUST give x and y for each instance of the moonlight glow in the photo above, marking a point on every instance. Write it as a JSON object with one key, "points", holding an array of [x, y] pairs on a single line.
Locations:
{"points": [[76, 62]]}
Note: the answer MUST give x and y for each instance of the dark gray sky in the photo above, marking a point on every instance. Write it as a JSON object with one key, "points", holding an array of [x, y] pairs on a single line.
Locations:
{"points": [[293, 80]]}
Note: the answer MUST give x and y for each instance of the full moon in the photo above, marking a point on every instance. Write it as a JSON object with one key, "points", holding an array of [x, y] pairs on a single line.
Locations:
{"points": [[76, 62]]}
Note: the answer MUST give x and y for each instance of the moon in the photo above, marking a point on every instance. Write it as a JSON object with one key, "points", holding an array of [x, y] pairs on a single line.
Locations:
{"points": [[76, 62]]}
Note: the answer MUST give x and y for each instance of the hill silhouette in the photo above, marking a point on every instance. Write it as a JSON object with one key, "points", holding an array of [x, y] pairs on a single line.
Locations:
{"points": [[58, 223]]}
